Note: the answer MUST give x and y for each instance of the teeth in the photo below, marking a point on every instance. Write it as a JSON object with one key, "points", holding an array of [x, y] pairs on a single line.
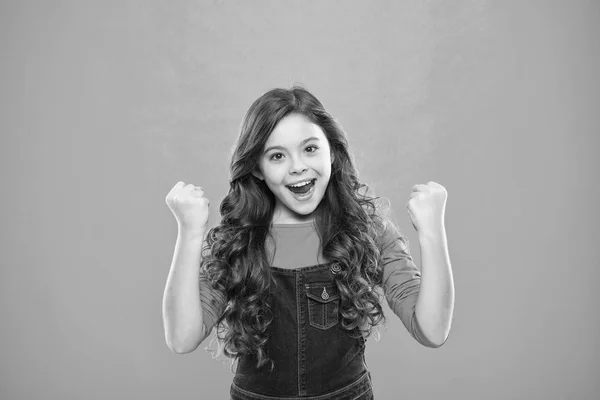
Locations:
{"points": [[301, 184]]}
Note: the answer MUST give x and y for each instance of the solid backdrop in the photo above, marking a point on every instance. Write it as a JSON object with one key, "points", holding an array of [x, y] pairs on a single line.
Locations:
{"points": [[107, 104]]}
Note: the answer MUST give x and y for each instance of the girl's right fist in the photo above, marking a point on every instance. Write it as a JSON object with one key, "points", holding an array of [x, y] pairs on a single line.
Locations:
{"points": [[189, 206]]}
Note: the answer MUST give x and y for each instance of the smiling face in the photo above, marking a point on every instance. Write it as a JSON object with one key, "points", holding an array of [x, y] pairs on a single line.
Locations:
{"points": [[297, 151]]}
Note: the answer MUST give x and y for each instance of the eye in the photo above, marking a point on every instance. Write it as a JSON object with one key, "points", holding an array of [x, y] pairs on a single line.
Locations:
{"points": [[273, 156], [313, 146]]}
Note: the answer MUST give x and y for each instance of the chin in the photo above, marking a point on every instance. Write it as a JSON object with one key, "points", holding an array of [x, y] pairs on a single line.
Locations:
{"points": [[300, 212]]}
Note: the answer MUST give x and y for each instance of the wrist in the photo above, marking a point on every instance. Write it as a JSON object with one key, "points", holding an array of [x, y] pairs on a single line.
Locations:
{"points": [[435, 233], [191, 233]]}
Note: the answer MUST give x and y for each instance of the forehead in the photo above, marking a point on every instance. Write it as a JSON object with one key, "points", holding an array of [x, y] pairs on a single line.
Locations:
{"points": [[293, 129]]}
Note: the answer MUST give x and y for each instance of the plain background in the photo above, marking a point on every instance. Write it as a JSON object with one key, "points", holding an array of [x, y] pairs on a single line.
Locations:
{"points": [[106, 105]]}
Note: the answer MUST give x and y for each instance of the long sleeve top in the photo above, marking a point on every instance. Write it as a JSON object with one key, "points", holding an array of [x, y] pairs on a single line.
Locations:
{"points": [[298, 245]]}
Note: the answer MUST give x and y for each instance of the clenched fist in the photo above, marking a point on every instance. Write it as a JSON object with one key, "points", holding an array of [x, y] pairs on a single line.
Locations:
{"points": [[189, 206], [427, 206]]}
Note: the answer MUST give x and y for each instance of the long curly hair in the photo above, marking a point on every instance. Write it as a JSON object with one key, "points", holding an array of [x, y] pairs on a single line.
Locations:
{"points": [[349, 222]]}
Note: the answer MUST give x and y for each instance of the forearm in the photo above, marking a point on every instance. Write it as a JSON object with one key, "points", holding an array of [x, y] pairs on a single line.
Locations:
{"points": [[182, 309], [435, 305]]}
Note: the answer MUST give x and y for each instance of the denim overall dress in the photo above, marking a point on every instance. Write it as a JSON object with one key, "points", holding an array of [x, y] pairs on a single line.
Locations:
{"points": [[315, 358]]}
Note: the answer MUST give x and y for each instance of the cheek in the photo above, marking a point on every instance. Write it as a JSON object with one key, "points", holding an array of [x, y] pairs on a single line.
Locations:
{"points": [[326, 169], [275, 179]]}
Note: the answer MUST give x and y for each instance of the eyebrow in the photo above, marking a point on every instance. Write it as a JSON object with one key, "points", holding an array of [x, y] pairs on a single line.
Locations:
{"points": [[283, 148]]}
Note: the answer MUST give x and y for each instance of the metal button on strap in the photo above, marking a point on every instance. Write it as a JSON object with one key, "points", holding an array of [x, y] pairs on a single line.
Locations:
{"points": [[335, 268], [324, 295]]}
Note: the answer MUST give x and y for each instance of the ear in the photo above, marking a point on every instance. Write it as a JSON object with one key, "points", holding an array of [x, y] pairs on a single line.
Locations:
{"points": [[258, 174], [332, 156]]}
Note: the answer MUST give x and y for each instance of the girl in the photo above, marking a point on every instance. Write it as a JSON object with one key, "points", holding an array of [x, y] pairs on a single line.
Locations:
{"points": [[290, 276]]}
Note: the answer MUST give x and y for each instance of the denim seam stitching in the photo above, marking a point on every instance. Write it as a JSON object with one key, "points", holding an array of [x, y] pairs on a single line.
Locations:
{"points": [[298, 315], [358, 383]]}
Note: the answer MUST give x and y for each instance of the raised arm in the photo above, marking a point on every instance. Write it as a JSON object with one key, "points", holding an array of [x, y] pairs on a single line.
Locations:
{"points": [[182, 307], [435, 306]]}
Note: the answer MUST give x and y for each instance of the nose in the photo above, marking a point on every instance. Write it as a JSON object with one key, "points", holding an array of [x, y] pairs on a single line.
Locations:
{"points": [[298, 166]]}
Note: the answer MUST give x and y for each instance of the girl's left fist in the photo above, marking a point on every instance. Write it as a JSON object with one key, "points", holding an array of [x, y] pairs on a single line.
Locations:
{"points": [[426, 207]]}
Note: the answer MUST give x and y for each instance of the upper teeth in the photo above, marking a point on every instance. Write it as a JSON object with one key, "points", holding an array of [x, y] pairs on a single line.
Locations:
{"points": [[302, 183]]}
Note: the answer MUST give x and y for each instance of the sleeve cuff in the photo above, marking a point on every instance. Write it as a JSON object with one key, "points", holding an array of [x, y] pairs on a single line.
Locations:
{"points": [[420, 336]]}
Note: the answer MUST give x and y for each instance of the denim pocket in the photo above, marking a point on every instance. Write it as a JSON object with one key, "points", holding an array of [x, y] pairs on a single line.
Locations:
{"points": [[323, 304]]}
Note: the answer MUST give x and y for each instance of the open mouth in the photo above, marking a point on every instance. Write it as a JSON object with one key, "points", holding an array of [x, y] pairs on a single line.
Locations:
{"points": [[303, 189]]}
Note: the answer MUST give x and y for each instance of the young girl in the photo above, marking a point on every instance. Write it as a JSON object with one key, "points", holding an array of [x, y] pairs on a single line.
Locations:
{"points": [[290, 276]]}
